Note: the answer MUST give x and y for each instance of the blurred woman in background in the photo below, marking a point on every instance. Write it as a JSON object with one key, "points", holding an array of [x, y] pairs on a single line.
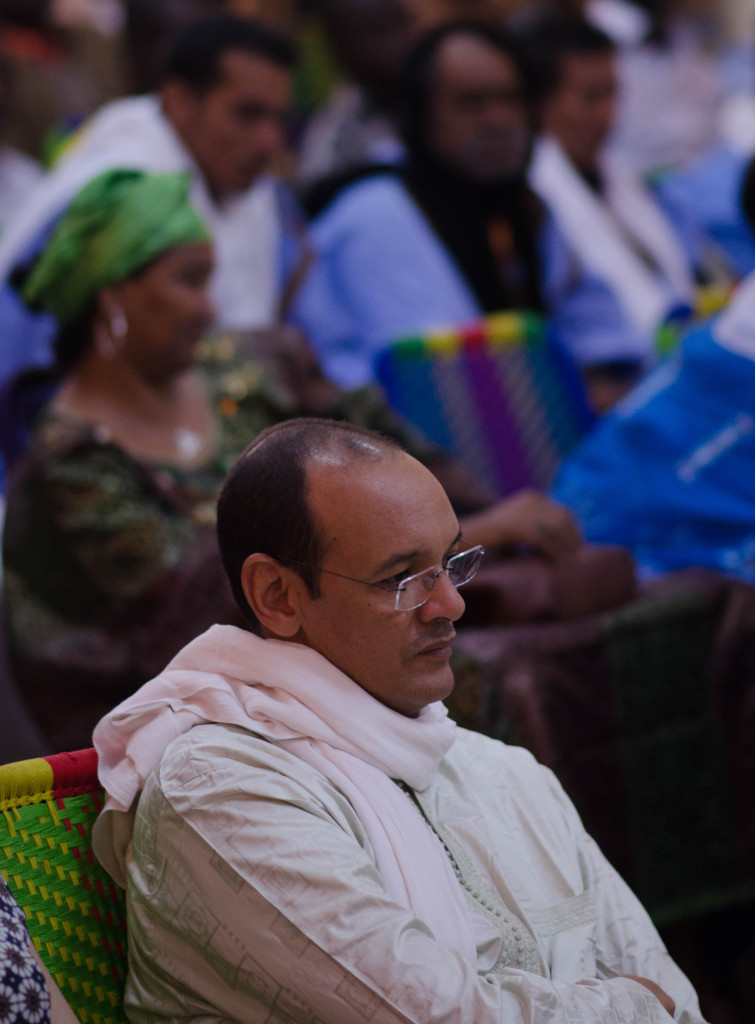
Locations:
{"points": [[109, 552]]}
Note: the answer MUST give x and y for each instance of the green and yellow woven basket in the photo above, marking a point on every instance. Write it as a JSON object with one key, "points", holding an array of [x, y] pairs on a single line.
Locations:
{"points": [[76, 914]]}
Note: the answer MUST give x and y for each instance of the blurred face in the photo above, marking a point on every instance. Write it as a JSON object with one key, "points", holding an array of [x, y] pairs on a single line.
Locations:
{"points": [[383, 520], [237, 127], [477, 119], [167, 309], [580, 113]]}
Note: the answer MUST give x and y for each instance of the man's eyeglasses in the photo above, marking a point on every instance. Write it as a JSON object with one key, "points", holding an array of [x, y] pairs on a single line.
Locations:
{"points": [[413, 591]]}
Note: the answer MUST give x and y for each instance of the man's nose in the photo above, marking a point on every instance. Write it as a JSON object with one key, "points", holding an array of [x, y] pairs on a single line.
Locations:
{"points": [[503, 111], [444, 602], [271, 134]]}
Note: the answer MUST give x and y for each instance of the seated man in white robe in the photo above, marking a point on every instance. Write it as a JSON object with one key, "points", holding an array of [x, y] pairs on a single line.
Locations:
{"points": [[614, 226], [303, 833]]}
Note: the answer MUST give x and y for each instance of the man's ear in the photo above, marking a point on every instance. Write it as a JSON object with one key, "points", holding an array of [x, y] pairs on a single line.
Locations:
{"points": [[271, 590], [178, 103]]}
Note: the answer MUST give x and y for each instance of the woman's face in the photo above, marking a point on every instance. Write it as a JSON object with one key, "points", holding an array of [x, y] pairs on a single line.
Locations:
{"points": [[167, 308]]}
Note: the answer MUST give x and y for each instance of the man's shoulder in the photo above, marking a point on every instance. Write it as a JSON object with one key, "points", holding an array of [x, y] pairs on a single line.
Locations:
{"points": [[130, 132], [17, 169], [370, 191], [500, 777], [376, 213], [210, 762], [494, 757], [106, 124], [213, 770]]}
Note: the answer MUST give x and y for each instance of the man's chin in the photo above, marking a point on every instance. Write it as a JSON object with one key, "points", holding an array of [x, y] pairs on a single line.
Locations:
{"points": [[423, 696], [495, 165], [437, 679], [252, 172], [240, 184]]}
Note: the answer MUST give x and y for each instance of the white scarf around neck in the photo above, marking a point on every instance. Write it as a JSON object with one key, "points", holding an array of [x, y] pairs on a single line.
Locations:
{"points": [[595, 229], [295, 698]]}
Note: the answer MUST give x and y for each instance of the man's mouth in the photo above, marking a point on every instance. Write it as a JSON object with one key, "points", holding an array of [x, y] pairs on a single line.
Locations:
{"points": [[440, 648]]}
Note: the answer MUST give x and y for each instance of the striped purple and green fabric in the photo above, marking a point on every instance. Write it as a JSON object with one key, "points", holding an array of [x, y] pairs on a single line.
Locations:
{"points": [[75, 913], [499, 394]]}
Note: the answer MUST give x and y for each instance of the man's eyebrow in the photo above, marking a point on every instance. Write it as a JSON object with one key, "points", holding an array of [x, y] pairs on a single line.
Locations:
{"points": [[408, 556], [394, 560]]}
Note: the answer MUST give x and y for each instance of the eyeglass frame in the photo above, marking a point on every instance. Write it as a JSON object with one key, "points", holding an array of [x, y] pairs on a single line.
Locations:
{"points": [[400, 587]]}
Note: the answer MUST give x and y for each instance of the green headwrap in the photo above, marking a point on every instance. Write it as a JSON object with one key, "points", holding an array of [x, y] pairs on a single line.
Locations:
{"points": [[116, 224]]}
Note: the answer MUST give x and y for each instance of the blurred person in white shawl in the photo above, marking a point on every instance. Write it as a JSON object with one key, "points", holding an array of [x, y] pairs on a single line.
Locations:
{"points": [[613, 223]]}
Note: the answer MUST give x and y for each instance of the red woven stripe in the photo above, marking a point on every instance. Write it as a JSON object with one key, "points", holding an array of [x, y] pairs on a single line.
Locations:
{"points": [[75, 770]]}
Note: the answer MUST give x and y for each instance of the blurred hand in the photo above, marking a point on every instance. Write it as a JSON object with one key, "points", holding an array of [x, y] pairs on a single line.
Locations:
{"points": [[286, 350], [666, 1001], [105, 16], [527, 517]]}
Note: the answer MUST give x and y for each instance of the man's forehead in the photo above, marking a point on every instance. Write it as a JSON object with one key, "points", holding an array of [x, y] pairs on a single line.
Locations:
{"points": [[578, 64], [238, 66], [343, 475], [467, 58], [383, 502]]}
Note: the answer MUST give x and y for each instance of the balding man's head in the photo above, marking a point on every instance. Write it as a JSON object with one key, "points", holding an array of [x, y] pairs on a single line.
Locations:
{"points": [[264, 507], [342, 542]]}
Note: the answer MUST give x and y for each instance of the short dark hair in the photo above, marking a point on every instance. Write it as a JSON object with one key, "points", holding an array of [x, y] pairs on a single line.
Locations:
{"points": [[199, 49], [549, 40], [419, 72], [263, 504]]}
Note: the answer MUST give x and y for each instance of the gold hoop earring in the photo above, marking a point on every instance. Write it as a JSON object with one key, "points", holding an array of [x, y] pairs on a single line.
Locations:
{"points": [[118, 323], [109, 339]]}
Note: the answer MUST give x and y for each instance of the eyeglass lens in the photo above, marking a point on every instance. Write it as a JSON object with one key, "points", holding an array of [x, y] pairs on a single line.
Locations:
{"points": [[460, 568]]}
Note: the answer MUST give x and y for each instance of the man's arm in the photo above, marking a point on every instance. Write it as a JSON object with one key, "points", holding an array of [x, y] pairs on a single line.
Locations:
{"points": [[665, 1000], [627, 943]]}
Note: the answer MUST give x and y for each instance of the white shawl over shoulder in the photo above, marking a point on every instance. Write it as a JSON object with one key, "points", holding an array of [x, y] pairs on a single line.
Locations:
{"points": [[292, 696]]}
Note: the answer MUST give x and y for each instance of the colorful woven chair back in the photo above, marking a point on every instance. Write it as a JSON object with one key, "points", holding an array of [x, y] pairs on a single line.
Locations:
{"points": [[76, 914], [499, 394]]}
